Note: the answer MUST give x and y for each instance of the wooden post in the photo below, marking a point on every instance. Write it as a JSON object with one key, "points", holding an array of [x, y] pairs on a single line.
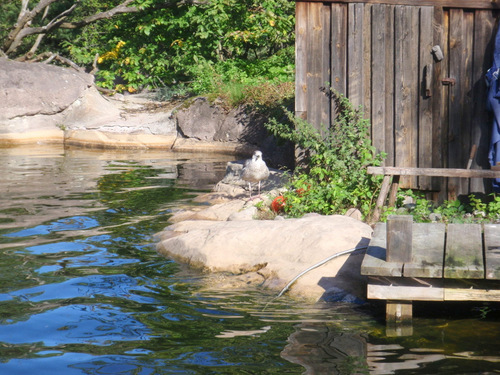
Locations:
{"points": [[394, 190], [399, 238], [384, 190], [398, 318]]}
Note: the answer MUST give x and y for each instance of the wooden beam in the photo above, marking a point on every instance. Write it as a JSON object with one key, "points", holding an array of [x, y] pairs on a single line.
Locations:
{"points": [[464, 252], [492, 250], [434, 172], [405, 293], [399, 312], [384, 190], [399, 238], [427, 252], [434, 294], [469, 4], [374, 261]]}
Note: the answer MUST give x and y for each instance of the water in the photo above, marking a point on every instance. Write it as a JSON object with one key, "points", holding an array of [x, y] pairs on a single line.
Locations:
{"points": [[82, 290]]}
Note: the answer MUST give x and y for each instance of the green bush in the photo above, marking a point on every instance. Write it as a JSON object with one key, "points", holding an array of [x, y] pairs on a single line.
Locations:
{"points": [[334, 176], [473, 209], [201, 43]]}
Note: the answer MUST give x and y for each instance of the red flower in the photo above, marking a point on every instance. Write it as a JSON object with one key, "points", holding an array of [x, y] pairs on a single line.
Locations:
{"points": [[300, 191], [278, 204]]}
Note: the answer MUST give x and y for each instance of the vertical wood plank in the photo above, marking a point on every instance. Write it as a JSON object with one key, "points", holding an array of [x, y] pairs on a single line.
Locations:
{"points": [[427, 251], [466, 94], [367, 52], [484, 31], [338, 42], [455, 152], [425, 139], [399, 238], [301, 52], [460, 42], [315, 32], [374, 262], [445, 103], [379, 43], [492, 251], [406, 89], [325, 66], [464, 252], [355, 90], [437, 104], [389, 89]]}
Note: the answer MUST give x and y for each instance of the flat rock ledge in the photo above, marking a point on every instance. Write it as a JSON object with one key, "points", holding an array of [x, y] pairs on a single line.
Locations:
{"points": [[42, 103], [225, 238]]}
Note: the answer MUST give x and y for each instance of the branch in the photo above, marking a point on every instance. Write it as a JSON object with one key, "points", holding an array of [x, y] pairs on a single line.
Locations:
{"points": [[22, 27], [54, 56], [94, 65], [24, 20], [119, 9]]}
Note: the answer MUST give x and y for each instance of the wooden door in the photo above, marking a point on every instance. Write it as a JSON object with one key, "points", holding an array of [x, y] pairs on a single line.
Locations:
{"points": [[424, 111]]}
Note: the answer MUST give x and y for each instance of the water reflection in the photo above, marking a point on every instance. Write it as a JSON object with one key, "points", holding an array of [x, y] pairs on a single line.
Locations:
{"points": [[82, 290]]}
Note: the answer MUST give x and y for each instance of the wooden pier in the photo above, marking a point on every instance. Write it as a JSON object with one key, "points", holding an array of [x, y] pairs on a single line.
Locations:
{"points": [[408, 261]]}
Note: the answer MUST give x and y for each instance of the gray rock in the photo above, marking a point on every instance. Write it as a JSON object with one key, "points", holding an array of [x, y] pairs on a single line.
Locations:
{"points": [[248, 213], [278, 249], [41, 103], [38, 89], [208, 122]]}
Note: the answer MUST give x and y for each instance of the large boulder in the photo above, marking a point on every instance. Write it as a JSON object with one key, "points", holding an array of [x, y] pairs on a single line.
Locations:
{"points": [[276, 251], [38, 89], [32, 98], [46, 103]]}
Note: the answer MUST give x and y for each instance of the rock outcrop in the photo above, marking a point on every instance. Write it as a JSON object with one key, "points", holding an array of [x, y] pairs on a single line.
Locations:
{"points": [[227, 237], [272, 252], [41, 103]]}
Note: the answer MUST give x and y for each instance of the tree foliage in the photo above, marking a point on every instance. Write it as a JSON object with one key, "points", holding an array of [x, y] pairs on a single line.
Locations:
{"points": [[154, 43], [28, 25]]}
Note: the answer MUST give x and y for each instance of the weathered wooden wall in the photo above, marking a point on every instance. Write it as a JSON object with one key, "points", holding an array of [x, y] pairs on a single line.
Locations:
{"points": [[379, 55]]}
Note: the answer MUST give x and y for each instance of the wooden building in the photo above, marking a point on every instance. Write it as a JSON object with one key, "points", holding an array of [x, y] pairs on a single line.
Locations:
{"points": [[417, 68]]}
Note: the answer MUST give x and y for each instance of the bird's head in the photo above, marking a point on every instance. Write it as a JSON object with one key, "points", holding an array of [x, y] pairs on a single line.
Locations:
{"points": [[257, 155]]}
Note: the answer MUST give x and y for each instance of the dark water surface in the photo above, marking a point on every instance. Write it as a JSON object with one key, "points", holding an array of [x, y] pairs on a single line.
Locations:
{"points": [[82, 290]]}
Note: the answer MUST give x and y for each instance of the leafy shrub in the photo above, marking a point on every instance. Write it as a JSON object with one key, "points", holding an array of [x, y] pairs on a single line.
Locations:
{"points": [[473, 209], [192, 42], [334, 177]]}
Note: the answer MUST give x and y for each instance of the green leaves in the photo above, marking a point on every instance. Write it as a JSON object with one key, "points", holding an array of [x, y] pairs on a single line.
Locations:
{"points": [[333, 177], [235, 42], [472, 209]]}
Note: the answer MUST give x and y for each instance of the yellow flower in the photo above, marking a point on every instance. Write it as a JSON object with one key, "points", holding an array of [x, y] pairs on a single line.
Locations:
{"points": [[272, 23], [177, 42]]}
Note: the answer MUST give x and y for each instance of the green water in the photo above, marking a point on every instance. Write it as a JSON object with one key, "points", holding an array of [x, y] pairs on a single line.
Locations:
{"points": [[82, 290]]}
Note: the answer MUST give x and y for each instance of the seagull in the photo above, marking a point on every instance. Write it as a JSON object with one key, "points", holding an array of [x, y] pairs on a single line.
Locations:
{"points": [[255, 170]]}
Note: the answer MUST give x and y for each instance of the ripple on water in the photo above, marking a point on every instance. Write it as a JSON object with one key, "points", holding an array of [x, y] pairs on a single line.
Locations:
{"points": [[84, 292]]}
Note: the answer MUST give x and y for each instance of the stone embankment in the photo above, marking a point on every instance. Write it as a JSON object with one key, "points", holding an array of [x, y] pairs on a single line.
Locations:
{"points": [[41, 103]]}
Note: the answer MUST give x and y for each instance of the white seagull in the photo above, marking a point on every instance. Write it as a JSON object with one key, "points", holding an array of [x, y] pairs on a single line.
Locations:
{"points": [[255, 170]]}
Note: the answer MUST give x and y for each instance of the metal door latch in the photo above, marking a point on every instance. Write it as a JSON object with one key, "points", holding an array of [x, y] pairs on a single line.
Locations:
{"points": [[448, 81]]}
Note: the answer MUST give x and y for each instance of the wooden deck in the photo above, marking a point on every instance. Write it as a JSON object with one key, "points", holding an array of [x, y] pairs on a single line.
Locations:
{"points": [[454, 262]]}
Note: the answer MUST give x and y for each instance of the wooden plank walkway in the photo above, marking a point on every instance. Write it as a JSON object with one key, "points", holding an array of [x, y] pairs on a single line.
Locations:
{"points": [[454, 262]]}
